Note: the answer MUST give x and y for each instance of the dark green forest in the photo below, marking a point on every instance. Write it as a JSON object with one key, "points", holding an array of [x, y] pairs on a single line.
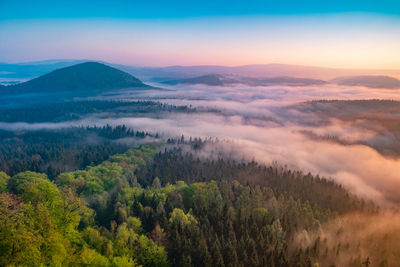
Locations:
{"points": [[75, 110], [159, 205], [87, 76], [56, 151]]}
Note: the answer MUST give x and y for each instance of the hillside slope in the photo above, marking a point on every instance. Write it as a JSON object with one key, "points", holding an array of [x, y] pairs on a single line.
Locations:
{"points": [[372, 81], [88, 76]]}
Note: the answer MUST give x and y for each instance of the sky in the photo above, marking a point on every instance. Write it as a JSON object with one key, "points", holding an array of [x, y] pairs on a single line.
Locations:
{"points": [[345, 34]]}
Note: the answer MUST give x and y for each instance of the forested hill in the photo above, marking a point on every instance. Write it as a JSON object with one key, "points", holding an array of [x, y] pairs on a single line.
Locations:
{"points": [[56, 151], [185, 212], [89, 76], [75, 110], [210, 79], [372, 81]]}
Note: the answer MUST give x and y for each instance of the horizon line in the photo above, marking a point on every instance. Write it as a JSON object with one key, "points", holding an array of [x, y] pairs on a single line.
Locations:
{"points": [[33, 62]]}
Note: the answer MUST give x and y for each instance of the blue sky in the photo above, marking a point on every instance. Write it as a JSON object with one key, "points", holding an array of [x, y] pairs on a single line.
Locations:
{"points": [[150, 9], [353, 34]]}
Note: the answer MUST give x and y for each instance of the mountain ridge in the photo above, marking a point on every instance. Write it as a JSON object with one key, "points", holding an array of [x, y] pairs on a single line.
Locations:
{"points": [[226, 80], [87, 76], [371, 81], [208, 79], [30, 70]]}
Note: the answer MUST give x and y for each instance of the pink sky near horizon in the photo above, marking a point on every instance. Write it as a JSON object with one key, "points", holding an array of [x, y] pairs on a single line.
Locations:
{"points": [[338, 41]]}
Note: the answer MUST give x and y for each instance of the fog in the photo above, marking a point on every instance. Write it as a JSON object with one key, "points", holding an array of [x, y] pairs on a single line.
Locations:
{"points": [[356, 237], [269, 124]]}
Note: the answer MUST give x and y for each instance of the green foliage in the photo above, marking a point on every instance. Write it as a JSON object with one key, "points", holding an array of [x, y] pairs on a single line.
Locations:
{"points": [[180, 219], [123, 262], [102, 216], [4, 178], [48, 151], [223, 218], [18, 245], [156, 183], [174, 165], [39, 221], [90, 257], [42, 191]]}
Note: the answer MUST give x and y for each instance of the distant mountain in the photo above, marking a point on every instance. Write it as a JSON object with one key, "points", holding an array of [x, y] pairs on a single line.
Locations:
{"points": [[209, 79], [222, 80], [89, 76], [159, 74], [289, 81], [369, 81], [29, 70]]}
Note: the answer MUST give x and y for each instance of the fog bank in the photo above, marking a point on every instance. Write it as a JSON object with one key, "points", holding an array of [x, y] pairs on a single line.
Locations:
{"points": [[269, 124]]}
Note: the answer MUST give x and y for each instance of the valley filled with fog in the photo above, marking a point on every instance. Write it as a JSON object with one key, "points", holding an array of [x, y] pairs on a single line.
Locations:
{"points": [[356, 143], [333, 148]]}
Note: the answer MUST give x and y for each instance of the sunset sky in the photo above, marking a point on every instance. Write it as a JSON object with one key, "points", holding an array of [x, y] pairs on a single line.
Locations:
{"points": [[349, 34]]}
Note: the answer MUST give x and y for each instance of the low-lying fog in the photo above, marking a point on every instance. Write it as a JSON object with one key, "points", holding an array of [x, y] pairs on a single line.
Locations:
{"points": [[270, 124]]}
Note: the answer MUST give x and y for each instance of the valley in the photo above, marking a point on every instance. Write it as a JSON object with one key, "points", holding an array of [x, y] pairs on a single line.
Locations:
{"points": [[132, 173]]}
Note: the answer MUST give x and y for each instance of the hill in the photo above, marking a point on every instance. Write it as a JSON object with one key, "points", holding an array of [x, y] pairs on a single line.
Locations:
{"points": [[209, 79], [257, 70], [284, 80], [29, 70], [221, 80], [371, 81], [89, 76]]}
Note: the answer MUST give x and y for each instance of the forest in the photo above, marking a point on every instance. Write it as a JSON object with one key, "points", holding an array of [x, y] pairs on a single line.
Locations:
{"points": [[158, 204], [56, 151], [75, 110]]}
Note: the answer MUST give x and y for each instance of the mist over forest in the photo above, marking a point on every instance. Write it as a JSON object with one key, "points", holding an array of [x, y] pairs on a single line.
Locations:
{"points": [[197, 174]]}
